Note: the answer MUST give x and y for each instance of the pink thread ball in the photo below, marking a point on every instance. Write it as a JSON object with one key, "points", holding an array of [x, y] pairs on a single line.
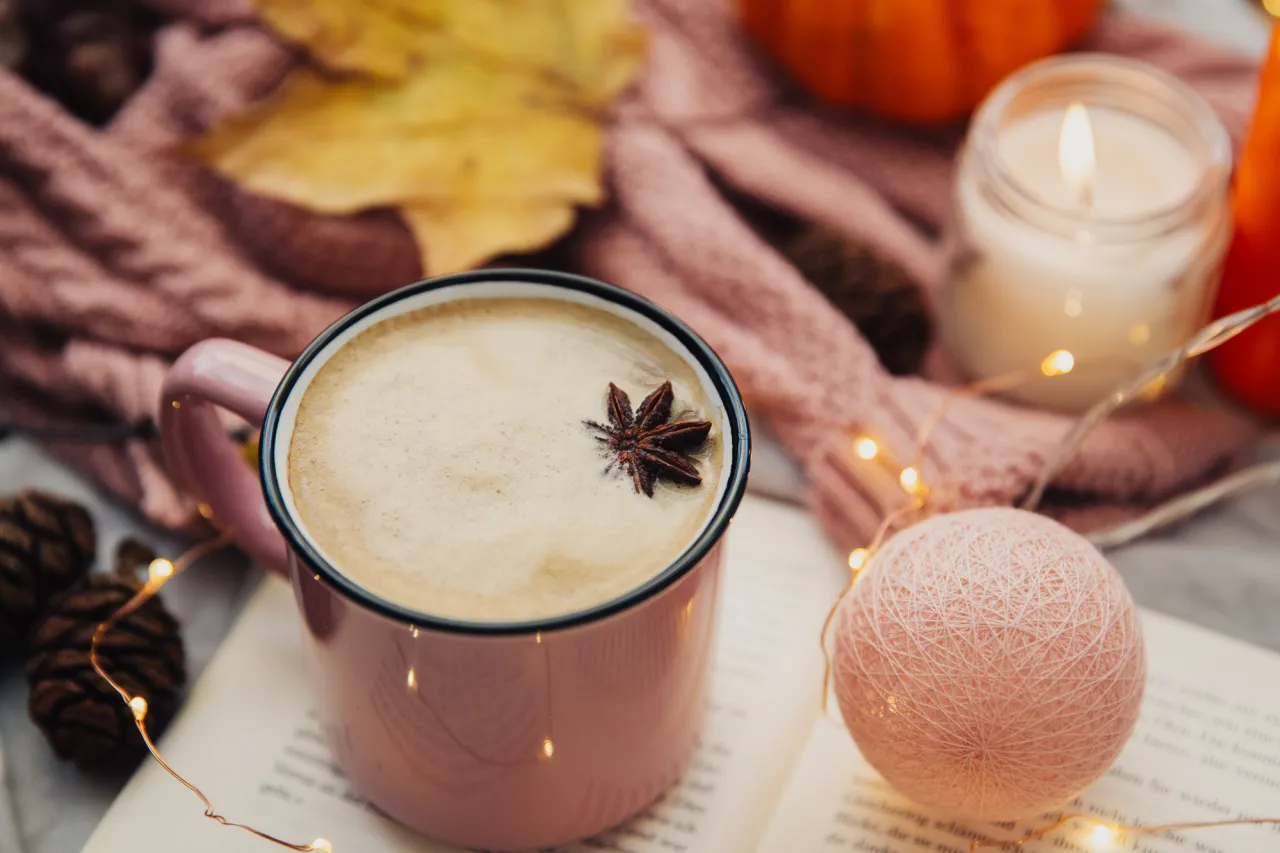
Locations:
{"points": [[989, 663]]}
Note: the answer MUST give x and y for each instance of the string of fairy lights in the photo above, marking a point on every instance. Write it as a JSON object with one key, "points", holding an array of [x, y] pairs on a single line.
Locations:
{"points": [[917, 493], [159, 572]]}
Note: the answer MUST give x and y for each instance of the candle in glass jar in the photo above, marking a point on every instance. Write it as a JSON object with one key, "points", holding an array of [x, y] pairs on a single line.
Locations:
{"points": [[1084, 223], [1098, 161]]}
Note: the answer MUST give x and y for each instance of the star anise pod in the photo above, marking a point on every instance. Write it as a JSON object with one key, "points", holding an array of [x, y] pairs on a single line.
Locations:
{"points": [[647, 447]]}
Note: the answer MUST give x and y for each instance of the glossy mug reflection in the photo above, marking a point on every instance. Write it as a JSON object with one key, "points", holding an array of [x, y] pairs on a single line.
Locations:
{"points": [[509, 717]]}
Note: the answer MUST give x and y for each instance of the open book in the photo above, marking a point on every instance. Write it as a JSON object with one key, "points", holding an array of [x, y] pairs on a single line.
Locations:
{"points": [[773, 774]]}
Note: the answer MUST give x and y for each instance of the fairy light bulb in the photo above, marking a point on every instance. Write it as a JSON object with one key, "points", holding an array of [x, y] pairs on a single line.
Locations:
{"points": [[1058, 363], [1097, 836], [1102, 837], [160, 570], [548, 748]]}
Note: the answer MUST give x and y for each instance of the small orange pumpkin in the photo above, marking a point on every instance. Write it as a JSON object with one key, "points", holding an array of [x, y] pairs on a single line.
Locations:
{"points": [[920, 61]]}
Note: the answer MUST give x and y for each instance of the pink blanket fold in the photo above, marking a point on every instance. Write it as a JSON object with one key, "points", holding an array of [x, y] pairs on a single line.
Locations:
{"points": [[115, 257]]}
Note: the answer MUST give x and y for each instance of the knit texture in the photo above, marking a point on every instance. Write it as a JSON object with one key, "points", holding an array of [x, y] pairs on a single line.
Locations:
{"points": [[115, 256]]}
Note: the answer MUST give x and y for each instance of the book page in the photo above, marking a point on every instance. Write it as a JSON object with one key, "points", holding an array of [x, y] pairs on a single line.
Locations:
{"points": [[250, 737], [1206, 748]]}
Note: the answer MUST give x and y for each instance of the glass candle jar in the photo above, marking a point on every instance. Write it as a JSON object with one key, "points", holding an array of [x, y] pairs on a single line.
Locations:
{"points": [[1091, 216]]}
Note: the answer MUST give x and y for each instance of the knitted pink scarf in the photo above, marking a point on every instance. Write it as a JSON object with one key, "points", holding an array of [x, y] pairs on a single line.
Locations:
{"points": [[115, 257]]}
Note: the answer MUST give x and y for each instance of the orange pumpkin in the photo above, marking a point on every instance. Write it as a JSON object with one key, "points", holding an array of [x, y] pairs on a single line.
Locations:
{"points": [[921, 61]]}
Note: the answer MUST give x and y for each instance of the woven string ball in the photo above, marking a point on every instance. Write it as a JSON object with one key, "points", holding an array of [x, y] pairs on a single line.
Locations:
{"points": [[989, 663]]}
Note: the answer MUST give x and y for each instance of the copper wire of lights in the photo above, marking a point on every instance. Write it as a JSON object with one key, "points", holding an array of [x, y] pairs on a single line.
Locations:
{"points": [[1059, 363], [1105, 835], [1209, 338], [911, 479], [160, 572]]}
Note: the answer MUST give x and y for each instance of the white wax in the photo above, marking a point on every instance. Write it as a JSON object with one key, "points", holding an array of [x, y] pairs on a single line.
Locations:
{"points": [[1139, 167], [1020, 292]]}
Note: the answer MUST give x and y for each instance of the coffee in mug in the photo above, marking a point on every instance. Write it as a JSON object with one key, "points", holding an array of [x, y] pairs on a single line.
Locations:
{"points": [[500, 498], [446, 459]]}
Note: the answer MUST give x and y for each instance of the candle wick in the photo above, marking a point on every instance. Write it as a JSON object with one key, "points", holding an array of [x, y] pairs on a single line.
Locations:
{"points": [[1084, 194], [1076, 155], [1084, 200], [1083, 186]]}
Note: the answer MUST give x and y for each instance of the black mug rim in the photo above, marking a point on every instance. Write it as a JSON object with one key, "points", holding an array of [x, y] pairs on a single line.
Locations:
{"points": [[309, 555]]}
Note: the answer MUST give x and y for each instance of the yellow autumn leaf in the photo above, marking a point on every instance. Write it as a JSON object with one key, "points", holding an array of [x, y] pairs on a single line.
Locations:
{"points": [[587, 45], [479, 119], [385, 39], [457, 237], [459, 131], [249, 452]]}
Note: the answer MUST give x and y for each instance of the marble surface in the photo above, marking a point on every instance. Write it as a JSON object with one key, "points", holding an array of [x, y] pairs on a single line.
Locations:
{"points": [[1222, 570]]}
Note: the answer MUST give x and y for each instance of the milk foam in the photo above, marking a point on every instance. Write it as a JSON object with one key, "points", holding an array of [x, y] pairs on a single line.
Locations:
{"points": [[440, 460]]}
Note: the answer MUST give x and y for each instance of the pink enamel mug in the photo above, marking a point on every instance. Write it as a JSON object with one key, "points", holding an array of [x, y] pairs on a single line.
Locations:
{"points": [[502, 736]]}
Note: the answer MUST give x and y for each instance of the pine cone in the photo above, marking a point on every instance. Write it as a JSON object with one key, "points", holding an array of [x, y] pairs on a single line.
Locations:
{"points": [[876, 294], [46, 543], [13, 41], [89, 54], [84, 720]]}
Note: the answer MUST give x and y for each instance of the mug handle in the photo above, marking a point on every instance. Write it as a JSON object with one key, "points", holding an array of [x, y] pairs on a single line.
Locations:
{"points": [[203, 459]]}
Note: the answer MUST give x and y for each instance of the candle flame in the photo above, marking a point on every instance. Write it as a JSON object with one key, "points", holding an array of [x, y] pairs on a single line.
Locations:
{"points": [[1075, 154]]}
